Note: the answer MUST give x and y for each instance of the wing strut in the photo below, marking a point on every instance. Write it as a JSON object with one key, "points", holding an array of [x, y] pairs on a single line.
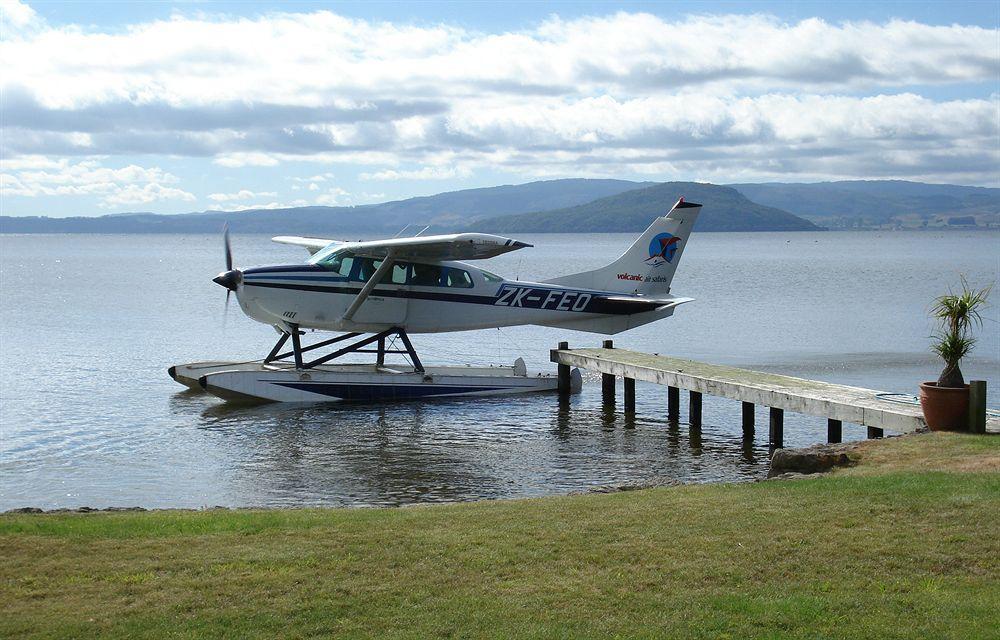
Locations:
{"points": [[367, 289]]}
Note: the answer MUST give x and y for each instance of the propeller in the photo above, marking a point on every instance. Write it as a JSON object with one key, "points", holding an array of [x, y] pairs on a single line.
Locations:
{"points": [[230, 278], [229, 248]]}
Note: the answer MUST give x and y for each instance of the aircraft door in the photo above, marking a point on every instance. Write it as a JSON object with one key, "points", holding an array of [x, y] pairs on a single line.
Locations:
{"points": [[387, 303]]}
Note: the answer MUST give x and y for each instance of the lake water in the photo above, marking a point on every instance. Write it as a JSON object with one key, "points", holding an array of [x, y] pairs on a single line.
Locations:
{"points": [[89, 417]]}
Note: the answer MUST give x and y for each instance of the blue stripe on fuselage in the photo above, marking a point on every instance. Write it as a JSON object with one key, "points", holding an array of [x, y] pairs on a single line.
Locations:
{"points": [[509, 295]]}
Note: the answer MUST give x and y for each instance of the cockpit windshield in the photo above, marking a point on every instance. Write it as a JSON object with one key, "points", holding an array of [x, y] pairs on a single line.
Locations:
{"points": [[340, 262], [324, 254]]}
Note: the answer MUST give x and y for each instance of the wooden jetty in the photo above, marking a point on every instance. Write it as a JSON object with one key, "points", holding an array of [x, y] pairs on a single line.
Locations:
{"points": [[835, 402]]}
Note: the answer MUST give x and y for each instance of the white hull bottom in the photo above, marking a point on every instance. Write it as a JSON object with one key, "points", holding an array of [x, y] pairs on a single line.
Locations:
{"points": [[257, 382]]}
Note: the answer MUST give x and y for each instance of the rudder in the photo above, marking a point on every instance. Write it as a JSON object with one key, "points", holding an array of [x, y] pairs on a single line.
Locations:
{"points": [[649, 265]]}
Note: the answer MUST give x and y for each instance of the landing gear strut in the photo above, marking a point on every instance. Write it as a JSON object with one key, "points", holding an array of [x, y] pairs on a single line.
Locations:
{"points": [[354, 347]]}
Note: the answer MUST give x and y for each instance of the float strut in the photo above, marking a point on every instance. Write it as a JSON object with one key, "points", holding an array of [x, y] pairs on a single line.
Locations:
{"points": [[417, 366], [277, 347], [296, 346]]}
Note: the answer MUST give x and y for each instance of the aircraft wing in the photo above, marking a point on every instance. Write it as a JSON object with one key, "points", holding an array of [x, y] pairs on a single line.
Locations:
{"points": [[312, 244], [456, 246]]}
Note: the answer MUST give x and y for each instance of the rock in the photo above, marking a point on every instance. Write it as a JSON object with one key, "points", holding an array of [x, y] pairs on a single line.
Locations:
{"points": [[652, 484], [815, 459], [789, 475], [26, 510]]}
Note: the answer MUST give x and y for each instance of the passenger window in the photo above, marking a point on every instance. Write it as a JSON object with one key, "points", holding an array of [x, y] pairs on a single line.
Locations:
{"points": [[426, 275], [459, 278], [397, 275]]}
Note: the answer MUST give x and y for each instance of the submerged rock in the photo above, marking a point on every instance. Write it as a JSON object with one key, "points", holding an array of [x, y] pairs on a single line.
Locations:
{"points": [[815, 459]]}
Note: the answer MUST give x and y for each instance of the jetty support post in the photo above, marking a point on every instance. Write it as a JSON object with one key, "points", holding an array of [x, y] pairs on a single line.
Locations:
{"points": [[776, 431], [748, 418], [673, 404], [875, 432], [834, 431], [977, 406], [563, 373], [629, 395], [608, 381], [694, 408]]}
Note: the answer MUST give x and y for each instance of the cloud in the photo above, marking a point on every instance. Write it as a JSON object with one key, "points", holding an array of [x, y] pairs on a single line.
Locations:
{"points": [[320, 67], [332, 197], [141, 194], [320, 177], [602, 95], [17, 18], [242, 194], [131, 184], [264, 205], [246, 159], [424, 173]]}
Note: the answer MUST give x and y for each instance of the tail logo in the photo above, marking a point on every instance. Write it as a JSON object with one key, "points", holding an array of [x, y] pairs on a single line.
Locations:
{"points": [[662, 249]]}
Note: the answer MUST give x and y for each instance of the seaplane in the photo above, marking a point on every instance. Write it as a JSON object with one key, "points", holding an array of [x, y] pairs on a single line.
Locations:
{"points": [[375, 293]]}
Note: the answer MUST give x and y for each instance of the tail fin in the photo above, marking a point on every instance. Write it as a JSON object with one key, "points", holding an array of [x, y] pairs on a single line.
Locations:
{"points": [[649, 265]]}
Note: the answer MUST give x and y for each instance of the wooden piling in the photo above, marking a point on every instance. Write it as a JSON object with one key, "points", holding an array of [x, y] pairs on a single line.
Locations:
{"points": [[563, 372], [875, 432], [629, 395], [834, 430], [776, 432], [748, 418], [673, 404], [694, 409], [863, 407], [608, 380], [977, 406]]}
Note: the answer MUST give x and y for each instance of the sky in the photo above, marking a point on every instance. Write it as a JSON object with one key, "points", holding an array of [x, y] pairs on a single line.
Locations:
{"points": [[173, 107]]}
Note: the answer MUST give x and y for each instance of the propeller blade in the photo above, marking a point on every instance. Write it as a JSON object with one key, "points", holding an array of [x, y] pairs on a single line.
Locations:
{"points": [[229, 249]]}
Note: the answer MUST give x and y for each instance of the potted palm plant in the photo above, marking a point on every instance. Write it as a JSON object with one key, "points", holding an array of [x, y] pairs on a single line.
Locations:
{"points": [[946, 402]]}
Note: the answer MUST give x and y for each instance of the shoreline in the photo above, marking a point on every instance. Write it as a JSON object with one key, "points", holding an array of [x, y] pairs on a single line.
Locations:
{"points": [[798, 462]]}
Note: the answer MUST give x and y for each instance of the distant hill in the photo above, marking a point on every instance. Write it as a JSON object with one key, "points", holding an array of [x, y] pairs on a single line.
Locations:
{"points": [[726, 209], [860, 203], [446, 210], [591, 205]]}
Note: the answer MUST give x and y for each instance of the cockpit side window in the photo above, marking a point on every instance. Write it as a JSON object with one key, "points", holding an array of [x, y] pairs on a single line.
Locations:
{"points": [[365, 270], [340, 263]]}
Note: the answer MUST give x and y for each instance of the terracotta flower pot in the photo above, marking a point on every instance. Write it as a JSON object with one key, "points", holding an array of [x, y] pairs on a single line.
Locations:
{"points": [[945, 408]]}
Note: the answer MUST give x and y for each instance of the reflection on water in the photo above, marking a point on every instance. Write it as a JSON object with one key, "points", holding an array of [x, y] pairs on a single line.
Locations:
{"points": [[89, 417], [460, 449]]}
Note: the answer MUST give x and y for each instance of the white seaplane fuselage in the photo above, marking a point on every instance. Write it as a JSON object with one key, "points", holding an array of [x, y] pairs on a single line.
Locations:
{"points": [[334, 290], [456, 296]]}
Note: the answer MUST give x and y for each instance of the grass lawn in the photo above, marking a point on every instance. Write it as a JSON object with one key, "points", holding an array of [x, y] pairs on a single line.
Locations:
{"points": [[903, 546]]}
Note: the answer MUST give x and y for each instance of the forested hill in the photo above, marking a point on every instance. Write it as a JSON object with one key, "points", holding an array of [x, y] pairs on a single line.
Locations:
{"points": [[445, 211], [725, 209], [868, 203]]}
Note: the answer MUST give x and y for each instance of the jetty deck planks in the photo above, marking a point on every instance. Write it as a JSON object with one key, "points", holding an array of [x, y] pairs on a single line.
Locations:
{"points": [[811, 397]]}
